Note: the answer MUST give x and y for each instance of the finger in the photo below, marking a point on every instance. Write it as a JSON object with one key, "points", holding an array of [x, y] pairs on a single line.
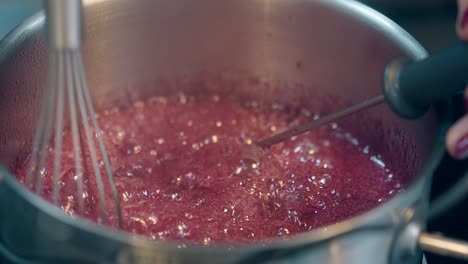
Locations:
{"points": [[462, 20], [466, 98], [457, 137]]}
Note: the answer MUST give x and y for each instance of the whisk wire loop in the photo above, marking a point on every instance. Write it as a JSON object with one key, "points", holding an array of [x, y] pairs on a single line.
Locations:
{"points": [[39, 142], [75, 134], [59, 125], [67, 91], [89, 138], [79, 64]]}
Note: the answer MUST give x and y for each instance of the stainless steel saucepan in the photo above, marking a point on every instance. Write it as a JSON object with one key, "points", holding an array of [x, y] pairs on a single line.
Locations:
{"points": [[336, 49]]}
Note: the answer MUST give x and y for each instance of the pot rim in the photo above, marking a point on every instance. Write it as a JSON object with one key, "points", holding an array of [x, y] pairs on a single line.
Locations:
{"points": [[359, 11]]}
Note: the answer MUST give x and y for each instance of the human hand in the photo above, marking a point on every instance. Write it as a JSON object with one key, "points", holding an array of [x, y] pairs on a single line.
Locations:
{"points": [[457, 137]]}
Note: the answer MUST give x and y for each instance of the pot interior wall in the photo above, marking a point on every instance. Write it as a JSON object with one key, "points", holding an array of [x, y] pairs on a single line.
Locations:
{"points": [[289, 51]]}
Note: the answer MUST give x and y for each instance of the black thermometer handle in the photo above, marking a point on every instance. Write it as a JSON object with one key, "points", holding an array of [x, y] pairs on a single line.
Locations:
{"points": [[411, 87]]}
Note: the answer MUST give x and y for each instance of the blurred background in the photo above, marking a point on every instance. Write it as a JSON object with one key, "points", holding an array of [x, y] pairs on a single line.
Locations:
{"points": [[431, 22]]}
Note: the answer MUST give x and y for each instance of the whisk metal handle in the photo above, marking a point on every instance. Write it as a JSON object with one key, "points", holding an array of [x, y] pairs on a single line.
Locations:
{"points": [[410, 88], [64, 24]]}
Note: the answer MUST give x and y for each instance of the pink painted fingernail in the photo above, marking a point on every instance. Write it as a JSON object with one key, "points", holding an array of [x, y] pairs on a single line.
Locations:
{"points": [[464, 19], [461, 148]]}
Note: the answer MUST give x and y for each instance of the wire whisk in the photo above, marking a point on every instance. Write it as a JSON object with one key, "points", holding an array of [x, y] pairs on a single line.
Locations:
{"points": [[67, 108]]}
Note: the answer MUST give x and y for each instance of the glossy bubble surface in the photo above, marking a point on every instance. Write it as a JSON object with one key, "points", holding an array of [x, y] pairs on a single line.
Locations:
{"points": [[187, 169]]}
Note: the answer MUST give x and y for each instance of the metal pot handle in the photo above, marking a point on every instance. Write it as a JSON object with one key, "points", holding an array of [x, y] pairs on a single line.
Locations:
{"points": [[412, 239], [438, 244]]}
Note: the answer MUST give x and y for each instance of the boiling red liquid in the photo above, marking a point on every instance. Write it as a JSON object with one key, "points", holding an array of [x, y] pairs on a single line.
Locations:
{"points": [[185, 170]]}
